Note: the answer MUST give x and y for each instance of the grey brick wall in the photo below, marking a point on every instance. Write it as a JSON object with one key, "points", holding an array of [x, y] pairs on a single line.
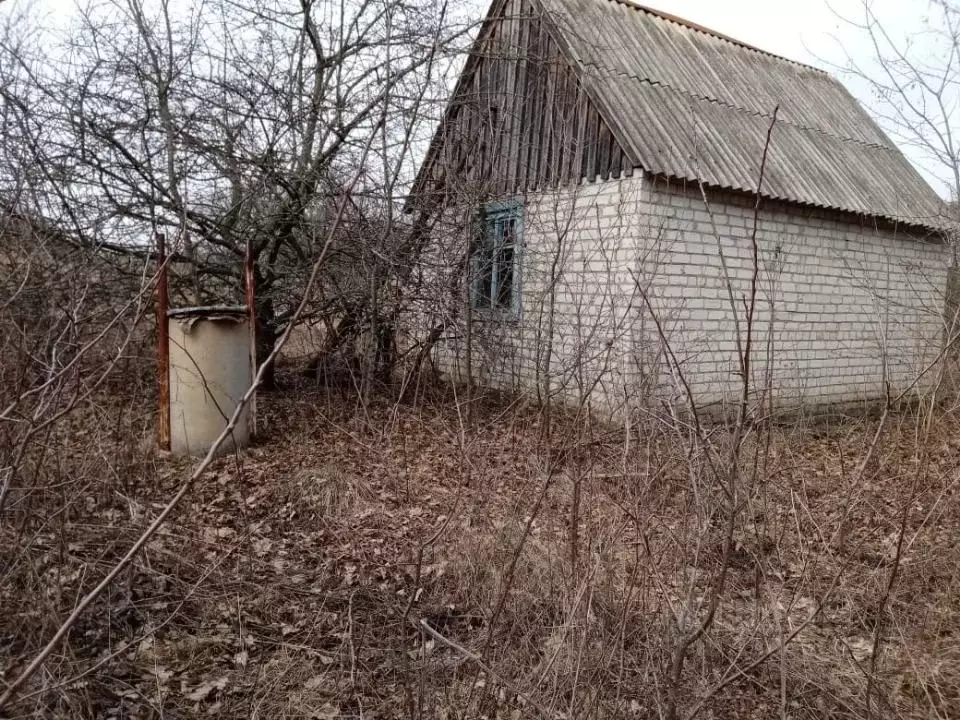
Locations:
{"points": [[610, 270]]}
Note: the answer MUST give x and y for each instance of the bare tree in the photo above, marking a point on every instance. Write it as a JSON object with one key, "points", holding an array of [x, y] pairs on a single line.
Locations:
{"points": [[914, 84], [232, 122]]}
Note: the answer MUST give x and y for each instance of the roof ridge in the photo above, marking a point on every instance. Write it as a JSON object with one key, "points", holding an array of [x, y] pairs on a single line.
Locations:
{"points": [[669, 17], [739, 108]]}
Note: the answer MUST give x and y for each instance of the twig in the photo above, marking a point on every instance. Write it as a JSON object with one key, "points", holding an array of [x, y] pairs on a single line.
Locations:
{"points": [[779, 647], [423, 625]]}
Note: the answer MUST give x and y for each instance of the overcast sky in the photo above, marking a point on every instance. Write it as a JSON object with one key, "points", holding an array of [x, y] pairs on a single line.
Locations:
{"points": [[794, 28], [806, 30]]}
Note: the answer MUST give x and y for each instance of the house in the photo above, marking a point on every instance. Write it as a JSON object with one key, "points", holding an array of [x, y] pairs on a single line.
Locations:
{"points": [[620, 194]]}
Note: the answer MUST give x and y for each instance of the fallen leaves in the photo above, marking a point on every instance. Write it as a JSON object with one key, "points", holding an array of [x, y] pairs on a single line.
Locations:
{"points": [[204, 690], [289, 580], [241, 659]]}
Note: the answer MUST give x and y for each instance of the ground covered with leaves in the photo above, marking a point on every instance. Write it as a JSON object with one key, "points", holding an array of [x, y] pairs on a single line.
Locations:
{"points": [[444, 559]]}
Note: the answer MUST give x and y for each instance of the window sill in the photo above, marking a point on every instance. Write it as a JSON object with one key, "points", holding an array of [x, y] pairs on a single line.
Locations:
{"points": [[494, 315]]}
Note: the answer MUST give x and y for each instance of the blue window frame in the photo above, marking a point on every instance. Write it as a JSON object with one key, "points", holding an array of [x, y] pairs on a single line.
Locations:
{"points": [[495, 282]]}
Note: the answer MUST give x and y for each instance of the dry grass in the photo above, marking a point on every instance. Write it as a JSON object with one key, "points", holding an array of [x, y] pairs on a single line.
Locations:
{"points": [[299, 578]]}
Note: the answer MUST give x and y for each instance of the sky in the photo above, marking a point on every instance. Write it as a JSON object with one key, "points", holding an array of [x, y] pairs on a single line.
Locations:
{"points": [[797, 29], [809, 31], [794, 28]]}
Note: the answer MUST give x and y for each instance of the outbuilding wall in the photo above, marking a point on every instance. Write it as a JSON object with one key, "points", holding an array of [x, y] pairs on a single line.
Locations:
{"points": [[628, 290], [574, 333]]}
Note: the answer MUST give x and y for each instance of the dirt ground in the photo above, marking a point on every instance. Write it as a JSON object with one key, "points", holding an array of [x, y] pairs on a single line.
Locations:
{"points": [[435, 559]]}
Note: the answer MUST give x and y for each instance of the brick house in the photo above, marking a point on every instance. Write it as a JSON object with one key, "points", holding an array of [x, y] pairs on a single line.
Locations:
{"points": [[597, 183]]}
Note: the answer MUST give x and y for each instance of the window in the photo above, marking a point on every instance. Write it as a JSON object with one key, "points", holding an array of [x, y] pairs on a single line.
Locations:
{"points": [[495, 263]]}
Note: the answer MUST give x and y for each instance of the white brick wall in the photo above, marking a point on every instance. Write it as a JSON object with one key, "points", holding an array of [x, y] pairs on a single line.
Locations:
{"points": [[840, 306]]}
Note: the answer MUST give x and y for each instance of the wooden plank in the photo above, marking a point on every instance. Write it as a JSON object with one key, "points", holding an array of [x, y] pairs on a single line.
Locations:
{"points": [[511, 106], [577, 170], [527, 116], [590, 146], [505, 95], [603, 151], [613, 163], [470, 132], [535, 118], [568, 117], [489, 112], [503, 92], [452, 147], [572, 128], [615, 156], [548, 138], [464, 148], [559, 117], [465, 139], [459, 156], [487, 129]]}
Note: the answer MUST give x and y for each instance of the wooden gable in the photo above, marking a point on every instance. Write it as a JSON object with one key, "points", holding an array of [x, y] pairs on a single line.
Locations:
{"points": [[520, 118]]}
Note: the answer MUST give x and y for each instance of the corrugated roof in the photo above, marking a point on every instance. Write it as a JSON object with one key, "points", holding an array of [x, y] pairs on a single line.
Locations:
{"points": [[696, 105]]}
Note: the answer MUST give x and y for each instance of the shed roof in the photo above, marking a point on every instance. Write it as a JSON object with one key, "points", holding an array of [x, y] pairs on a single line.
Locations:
{"points": [[693, 104]]}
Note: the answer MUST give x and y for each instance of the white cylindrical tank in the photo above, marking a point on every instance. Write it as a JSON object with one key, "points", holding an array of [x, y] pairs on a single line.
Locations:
{"points": [[210, 371]]}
